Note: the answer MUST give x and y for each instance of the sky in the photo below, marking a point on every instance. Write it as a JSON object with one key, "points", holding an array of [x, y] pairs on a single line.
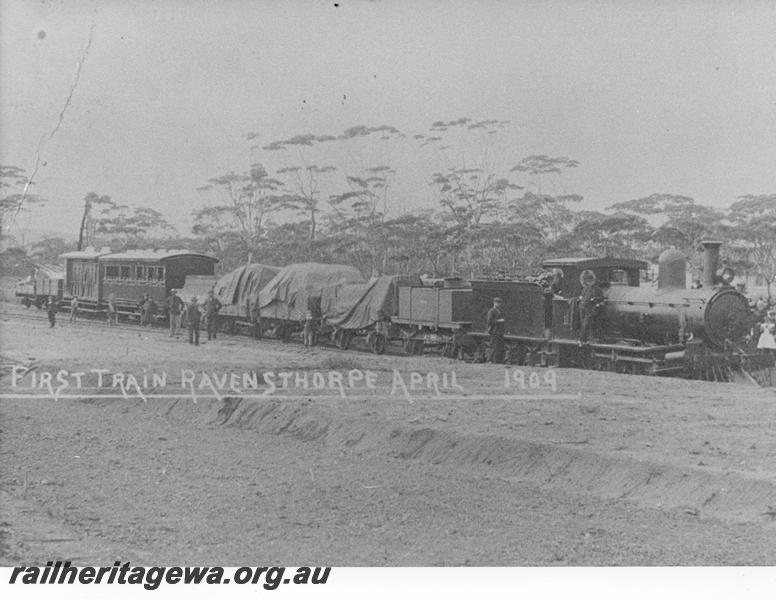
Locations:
{"points": [[649, 96]]}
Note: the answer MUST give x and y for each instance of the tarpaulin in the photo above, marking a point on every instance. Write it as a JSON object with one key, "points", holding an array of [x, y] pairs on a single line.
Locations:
{"points": [[197, 285], [289, 293], [49, 271], [379, 294], [337, 301], [240, 287]]}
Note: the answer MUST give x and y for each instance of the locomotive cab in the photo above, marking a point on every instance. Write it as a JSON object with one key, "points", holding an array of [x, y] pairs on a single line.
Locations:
{"points": [[562, 317], [608, 272]]}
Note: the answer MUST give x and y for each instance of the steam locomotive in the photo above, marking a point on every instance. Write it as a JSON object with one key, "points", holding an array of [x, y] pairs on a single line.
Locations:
{"points": [[667, 329]]}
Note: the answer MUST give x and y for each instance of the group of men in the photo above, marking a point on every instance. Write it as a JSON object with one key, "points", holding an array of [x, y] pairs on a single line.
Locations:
{"points": [[193, 313], [52, 307], [176, 308]]}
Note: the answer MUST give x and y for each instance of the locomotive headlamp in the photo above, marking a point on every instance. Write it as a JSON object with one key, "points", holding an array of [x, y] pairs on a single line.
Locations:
{"points": [[726, 275]]}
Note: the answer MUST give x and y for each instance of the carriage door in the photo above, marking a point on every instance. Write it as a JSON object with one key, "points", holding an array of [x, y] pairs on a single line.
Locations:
{"points": [[90, 279], [84, 278], [75, 278]]}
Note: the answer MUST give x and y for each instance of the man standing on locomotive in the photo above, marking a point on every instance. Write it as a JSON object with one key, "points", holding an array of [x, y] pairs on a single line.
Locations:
{"points": [[212, 306], [590, 305], [495, 323]]}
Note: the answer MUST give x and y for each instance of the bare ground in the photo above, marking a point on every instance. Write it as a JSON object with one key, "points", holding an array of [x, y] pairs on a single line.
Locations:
{"points": [[609, 470]]}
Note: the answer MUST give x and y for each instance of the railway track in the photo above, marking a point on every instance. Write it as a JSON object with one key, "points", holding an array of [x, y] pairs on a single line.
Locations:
{"points": [[93, 321], [763, 377]]}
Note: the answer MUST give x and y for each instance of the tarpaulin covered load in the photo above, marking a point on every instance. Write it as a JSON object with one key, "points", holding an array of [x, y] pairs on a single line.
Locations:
{"points": [[197, 285], [240, 287], [337, 301], [288, 295], [49, 271], [379, 294]]}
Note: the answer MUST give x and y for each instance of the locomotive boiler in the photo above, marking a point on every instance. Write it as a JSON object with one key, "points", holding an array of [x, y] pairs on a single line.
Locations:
{"points": [[672, 313]]}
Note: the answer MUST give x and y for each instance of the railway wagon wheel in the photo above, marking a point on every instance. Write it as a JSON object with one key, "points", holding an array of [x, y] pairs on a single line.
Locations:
{"points": [[416, 347], [342, 338], [482, 353], [376, 342], [532, 358], [515, 354]]}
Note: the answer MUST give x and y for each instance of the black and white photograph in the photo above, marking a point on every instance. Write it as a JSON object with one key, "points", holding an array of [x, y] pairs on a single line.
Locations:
{"points": [[384, 284]]}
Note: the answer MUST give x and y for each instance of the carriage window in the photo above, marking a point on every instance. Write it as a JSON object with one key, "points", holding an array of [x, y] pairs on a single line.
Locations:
{"points": [[111, 272], [143, 273], [125, 272], [160, 273], [618, 277]]}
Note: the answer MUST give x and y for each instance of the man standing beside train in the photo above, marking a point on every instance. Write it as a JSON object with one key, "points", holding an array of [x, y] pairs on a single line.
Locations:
{"points": [[255, 314], [51, 308], [212, 306], [147, 310], [73, 308], [174, 308], [495, 322], [193, 317]]}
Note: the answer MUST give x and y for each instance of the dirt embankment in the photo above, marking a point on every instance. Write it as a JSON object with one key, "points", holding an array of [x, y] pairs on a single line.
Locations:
{"points": [[604, 469]]}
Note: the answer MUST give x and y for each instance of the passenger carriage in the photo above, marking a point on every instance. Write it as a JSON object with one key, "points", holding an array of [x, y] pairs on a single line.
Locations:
{"points": [[95, 275]]}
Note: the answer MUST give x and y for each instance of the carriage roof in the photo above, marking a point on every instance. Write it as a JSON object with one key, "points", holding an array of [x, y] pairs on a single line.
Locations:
{"points": [[582, 263], [105, 254], [152, 255]]}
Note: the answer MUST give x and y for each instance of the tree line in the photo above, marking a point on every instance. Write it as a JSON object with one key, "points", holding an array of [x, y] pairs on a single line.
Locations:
{"points": [[491, 219]]}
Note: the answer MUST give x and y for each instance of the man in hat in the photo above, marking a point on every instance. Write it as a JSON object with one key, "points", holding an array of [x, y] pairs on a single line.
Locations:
{"points": [[212, 306], [590, 305], [113, 313], [147, 310], [193, 317], [73, 308], [51, 309], [254, 311], [308, 330], [495, 323], [174, 308]]}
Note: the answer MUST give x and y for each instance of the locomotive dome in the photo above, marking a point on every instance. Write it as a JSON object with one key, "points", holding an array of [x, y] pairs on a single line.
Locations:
{"points": [[671, 269]]}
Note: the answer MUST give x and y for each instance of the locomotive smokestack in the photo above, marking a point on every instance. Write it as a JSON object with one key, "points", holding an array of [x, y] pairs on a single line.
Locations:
{"points": [[710, 262]]}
